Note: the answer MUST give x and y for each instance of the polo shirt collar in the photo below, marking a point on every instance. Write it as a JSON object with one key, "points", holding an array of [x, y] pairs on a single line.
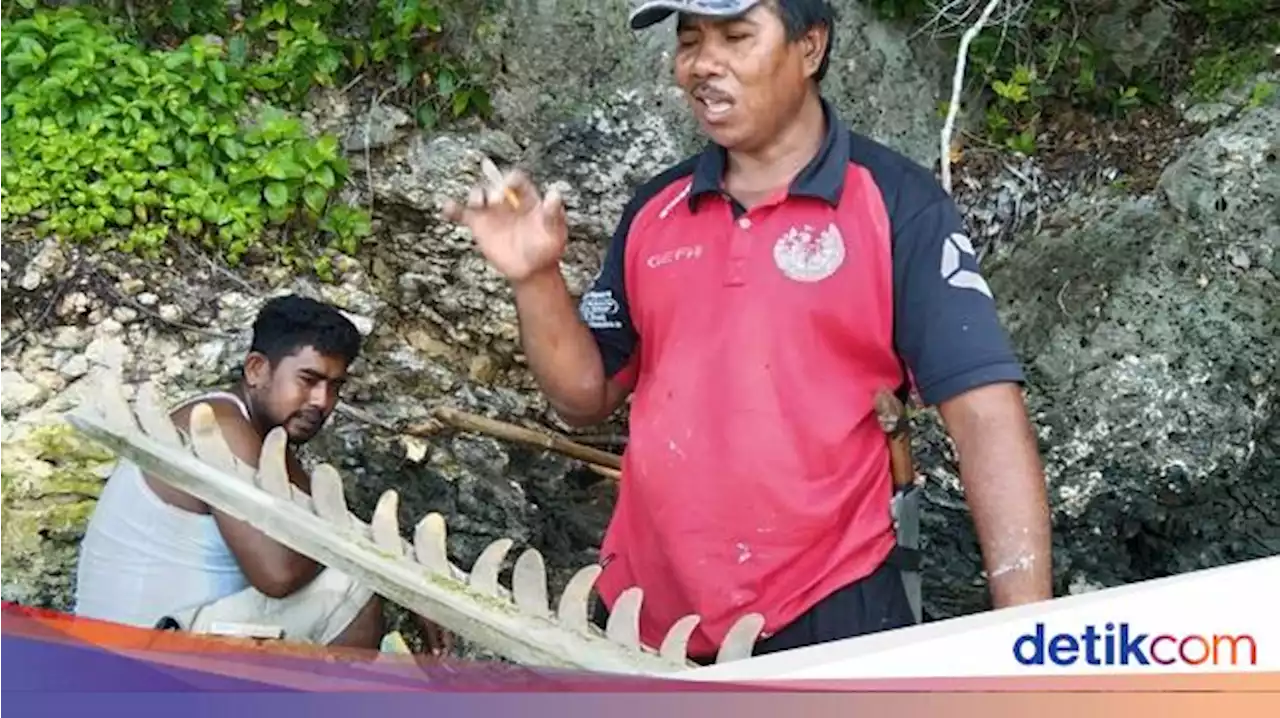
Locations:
{"points": [[822, 178]]}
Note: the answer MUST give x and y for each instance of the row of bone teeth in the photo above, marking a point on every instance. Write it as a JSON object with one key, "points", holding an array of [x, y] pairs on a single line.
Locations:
{"points": [[327, 502]]}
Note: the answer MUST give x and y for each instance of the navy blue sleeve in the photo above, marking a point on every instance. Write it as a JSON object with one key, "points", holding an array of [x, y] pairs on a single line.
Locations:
{"points": [[603, 307], [946, 327]]}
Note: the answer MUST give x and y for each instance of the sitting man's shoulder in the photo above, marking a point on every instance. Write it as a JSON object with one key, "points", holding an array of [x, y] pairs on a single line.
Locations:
{"points": [[228, 410], [237, 431]]}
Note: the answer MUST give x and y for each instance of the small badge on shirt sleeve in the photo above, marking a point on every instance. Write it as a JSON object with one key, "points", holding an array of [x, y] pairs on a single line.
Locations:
{"points": [[806, 258], [954, 248]]}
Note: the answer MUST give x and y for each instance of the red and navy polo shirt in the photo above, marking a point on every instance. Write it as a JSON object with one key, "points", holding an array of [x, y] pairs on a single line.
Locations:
{"points": [[756, 478]]}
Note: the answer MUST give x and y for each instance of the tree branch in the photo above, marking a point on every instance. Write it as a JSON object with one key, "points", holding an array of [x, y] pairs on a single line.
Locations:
{"points": [[957, 82]]}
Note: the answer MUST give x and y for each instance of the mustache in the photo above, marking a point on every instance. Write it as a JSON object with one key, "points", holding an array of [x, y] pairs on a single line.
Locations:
{"points": [[710, 93], [313, 416]]}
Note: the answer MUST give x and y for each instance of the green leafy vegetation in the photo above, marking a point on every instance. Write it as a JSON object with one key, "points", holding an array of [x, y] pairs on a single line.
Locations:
{"points": [[127, 123], [1103, 57], [100, 134], [291, 46]]}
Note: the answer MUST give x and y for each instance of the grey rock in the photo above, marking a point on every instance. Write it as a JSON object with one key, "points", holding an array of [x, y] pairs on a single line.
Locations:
{"points": [[598, 160], [46, 264], [379, 127], [68, 337], [420, 173], [170, 312], [108, 349], [75, 367], [74, 304], [19, 393], [31, 280], [1229, 102], [1208, 112], [1229, 181], [124, 315]]}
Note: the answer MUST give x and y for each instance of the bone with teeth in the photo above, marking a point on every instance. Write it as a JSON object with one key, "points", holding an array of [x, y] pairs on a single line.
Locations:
{"points": [[518, 623]]}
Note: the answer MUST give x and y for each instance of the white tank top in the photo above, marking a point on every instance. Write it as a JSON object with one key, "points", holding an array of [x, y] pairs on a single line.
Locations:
{"points": [[142, 558]]}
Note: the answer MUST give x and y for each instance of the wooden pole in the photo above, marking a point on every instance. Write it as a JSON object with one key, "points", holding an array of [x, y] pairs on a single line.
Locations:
{"points": [[502, 430], [602, 462]]}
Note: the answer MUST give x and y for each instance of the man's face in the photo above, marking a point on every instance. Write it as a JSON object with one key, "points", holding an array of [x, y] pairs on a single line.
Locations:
{"points": [[299, 393], [740, 75]]}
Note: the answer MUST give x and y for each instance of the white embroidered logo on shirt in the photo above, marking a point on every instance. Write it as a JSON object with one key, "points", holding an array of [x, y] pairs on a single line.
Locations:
{"points": [[804, 258], [952, 272]]}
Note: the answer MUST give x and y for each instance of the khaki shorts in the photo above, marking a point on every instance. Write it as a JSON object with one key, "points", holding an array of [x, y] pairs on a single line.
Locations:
{"points": [[317, 613]]}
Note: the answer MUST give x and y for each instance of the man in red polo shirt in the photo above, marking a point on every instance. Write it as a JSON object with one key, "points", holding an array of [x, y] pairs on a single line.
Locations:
{"points": [[753, 300]]}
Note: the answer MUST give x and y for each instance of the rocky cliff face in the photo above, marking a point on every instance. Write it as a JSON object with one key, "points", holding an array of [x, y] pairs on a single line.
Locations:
{"points": [[1149, 328], [1148, 324]]}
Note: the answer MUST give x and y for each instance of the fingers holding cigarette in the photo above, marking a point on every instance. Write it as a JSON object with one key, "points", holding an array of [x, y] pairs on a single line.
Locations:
{"points": [[512, 191], [501, 188]]}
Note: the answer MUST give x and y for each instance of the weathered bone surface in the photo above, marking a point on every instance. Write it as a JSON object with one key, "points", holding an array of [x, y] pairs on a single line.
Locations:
{"points": [[518, 623]]}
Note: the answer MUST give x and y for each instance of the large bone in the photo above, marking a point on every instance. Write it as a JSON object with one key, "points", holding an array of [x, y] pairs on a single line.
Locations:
{"points": [[517, 623]]}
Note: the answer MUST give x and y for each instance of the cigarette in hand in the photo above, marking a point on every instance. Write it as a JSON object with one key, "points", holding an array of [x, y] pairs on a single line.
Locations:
{"points": [[492, 174]]}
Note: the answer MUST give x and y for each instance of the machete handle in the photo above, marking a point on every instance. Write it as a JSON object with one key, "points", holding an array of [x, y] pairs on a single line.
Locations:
{"points": [[892, 415]]}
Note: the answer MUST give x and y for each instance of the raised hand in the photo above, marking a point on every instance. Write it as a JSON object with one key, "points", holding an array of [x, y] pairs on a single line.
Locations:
{"points": [[518, 231]]}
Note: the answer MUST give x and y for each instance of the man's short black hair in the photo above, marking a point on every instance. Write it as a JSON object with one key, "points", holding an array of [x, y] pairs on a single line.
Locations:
{"points": [[290, 323], [799, 16]]}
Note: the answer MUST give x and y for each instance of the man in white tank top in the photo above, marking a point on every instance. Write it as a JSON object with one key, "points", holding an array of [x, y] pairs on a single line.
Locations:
{"points": [[153, 556]]}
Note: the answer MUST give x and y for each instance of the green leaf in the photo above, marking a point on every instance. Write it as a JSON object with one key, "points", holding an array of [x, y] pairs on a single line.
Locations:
{"points": [[314, 196], [181, 186], [330, 62], [404, 73], [480, 101], [233, 149], [312, 157], [277, 194], [238, 50], [327, 146], [242, 175], [278, 215], [427, 116], [160, 155], [248, 198], [460, 102], [324, 177], [446, 83], [282, 167]]}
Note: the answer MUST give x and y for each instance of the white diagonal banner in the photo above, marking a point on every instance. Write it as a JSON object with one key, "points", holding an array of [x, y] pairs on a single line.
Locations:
{"points": [[1224, 619]]}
